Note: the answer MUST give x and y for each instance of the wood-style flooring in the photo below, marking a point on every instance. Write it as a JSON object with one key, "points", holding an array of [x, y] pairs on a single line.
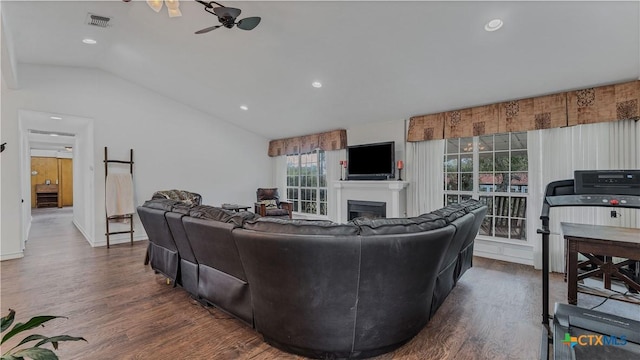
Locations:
{"points": [[126, 311]]}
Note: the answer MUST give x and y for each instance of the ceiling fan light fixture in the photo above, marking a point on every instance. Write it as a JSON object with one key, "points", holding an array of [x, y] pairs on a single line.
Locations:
{"points": [[316, 84], [172, 4], [156, 5], [174, 12]]}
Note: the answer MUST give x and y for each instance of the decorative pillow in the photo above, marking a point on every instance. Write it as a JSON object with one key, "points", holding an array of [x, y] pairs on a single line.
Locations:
{"points": [[270, 204]]}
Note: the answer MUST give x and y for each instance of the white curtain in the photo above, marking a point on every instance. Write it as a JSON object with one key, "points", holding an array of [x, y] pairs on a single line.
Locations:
{"points": [[554, 154], [279, 166], [425, 172], [334, 173]]}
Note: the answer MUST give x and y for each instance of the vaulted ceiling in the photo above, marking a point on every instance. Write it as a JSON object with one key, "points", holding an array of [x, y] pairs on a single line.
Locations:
{"points": [[377, 60]]}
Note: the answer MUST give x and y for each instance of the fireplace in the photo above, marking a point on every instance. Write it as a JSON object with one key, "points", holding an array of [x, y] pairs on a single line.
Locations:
{"points": [[368, 209], [391, 193]]}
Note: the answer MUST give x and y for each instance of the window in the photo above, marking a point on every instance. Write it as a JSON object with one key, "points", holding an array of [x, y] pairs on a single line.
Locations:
{"points": [[493, 169], [307, 182]]}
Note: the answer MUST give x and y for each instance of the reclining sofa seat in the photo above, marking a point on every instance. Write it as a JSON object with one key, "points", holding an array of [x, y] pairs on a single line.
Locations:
{"points": [[221, 277], [446, 279], [465, 257], [328, 290], [162, 252], [188, 266]]}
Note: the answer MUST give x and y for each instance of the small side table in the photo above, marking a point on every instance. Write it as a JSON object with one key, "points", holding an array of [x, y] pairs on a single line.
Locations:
{"points": [[607, 241], [235, 207]]}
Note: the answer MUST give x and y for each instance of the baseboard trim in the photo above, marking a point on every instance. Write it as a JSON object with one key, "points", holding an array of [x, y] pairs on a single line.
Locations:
{"points": [[83, 232], [115, 239], [498, 250], [12, 256]]}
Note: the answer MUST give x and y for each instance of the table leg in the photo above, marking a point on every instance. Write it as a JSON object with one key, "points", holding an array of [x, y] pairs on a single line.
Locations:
{"points": [[606, 274], [572, 282]]}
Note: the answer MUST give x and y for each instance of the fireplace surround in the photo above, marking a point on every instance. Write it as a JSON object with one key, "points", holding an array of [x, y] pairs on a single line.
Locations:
{"points": [[392, 193]]}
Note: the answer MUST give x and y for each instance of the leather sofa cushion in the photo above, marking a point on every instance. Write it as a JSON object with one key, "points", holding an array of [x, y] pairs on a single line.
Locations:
{"points": [[387, 226], [451, 212], [160, 204], [301, 227], [471, 204]]}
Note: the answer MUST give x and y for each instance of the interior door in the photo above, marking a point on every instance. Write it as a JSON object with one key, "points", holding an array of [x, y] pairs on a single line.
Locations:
{"points": [[65, 197]]}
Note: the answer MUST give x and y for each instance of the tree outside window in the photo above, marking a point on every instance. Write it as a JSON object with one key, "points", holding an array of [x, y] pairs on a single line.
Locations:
{"points": [[307, 182], [493, 169]]}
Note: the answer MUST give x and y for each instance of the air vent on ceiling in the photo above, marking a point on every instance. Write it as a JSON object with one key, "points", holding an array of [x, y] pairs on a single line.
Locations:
{"points": [[97, 20]]}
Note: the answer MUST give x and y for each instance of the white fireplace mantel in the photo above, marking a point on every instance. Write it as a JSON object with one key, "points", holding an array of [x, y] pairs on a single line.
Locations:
{"points": [[391, 192]]}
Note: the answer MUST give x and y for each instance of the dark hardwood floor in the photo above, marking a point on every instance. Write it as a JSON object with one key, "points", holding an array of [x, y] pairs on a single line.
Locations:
{"points": [[125, 311]]}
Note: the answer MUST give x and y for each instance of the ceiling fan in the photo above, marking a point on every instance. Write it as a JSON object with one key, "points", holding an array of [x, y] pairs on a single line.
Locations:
{"points": [[227, 17]]}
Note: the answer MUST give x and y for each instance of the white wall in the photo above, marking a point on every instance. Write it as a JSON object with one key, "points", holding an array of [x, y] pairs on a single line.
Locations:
{"points": [[174, 145]]}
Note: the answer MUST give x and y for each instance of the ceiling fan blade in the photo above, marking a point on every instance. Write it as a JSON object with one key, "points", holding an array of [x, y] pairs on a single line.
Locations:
{"points": [[249, 23], [226, 11], [206, 30]]}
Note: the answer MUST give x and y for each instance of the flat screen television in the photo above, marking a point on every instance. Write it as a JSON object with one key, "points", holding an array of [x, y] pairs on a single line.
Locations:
{"points": [[371, 161]]}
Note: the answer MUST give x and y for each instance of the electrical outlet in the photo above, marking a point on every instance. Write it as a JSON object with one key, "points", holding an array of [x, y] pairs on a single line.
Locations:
{"points": [[614, 214]]}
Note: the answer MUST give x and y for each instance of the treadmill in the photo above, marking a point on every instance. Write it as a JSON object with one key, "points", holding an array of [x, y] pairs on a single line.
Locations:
{"points": [[611, 337]]}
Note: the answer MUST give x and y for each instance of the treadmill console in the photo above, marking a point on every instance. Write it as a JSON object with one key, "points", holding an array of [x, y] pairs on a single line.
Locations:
{"points": [[618, 182], [623, 201]]}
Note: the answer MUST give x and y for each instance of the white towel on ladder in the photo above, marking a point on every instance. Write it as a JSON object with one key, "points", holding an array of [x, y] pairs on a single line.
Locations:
{"points": [[119, 195]]}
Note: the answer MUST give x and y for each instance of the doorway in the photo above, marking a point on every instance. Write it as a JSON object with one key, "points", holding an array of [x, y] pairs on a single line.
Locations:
{"points": [[51, 169], [56, 168]]}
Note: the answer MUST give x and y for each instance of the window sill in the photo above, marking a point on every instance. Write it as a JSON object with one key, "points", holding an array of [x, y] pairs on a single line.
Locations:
{"points": [[305, 216]]}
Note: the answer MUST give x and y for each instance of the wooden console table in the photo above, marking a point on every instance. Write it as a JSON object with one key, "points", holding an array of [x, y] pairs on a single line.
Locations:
{"points": [[594, 240], [46, 195]]}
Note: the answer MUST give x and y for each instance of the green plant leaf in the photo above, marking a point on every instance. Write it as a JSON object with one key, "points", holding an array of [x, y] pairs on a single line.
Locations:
{"points": [[36, 353], [33, 322], [7, 320], [10, 357], [55, 339], [30, 338]]}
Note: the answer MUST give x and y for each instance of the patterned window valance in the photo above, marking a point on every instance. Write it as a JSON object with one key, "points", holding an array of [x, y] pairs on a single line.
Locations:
{"points": [[599, 104], [331, 140]]}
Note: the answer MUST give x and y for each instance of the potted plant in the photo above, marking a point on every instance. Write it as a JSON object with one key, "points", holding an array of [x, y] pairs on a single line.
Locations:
{"points": [[34, 352]]}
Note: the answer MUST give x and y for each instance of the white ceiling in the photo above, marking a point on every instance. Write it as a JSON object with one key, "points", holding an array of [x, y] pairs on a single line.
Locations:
{"points": [[377, 60]]}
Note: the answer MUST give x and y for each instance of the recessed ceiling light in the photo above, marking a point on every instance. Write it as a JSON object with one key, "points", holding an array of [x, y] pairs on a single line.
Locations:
{"points": [[89, 41], [316, 84], [244, 107], [493, 25], [53, 134], [55, 118]]}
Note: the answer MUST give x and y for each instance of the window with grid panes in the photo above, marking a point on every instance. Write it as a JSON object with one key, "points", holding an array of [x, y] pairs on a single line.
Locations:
{"points": [[307, 182], [493, 169]]}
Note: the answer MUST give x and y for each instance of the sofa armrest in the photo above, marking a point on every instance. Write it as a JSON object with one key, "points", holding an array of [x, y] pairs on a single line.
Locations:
{"points": [[287, 205], [260, 209]]}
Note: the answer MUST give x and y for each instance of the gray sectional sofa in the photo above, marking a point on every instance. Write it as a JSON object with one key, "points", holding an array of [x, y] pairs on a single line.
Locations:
{"points": [[316, 288]]}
